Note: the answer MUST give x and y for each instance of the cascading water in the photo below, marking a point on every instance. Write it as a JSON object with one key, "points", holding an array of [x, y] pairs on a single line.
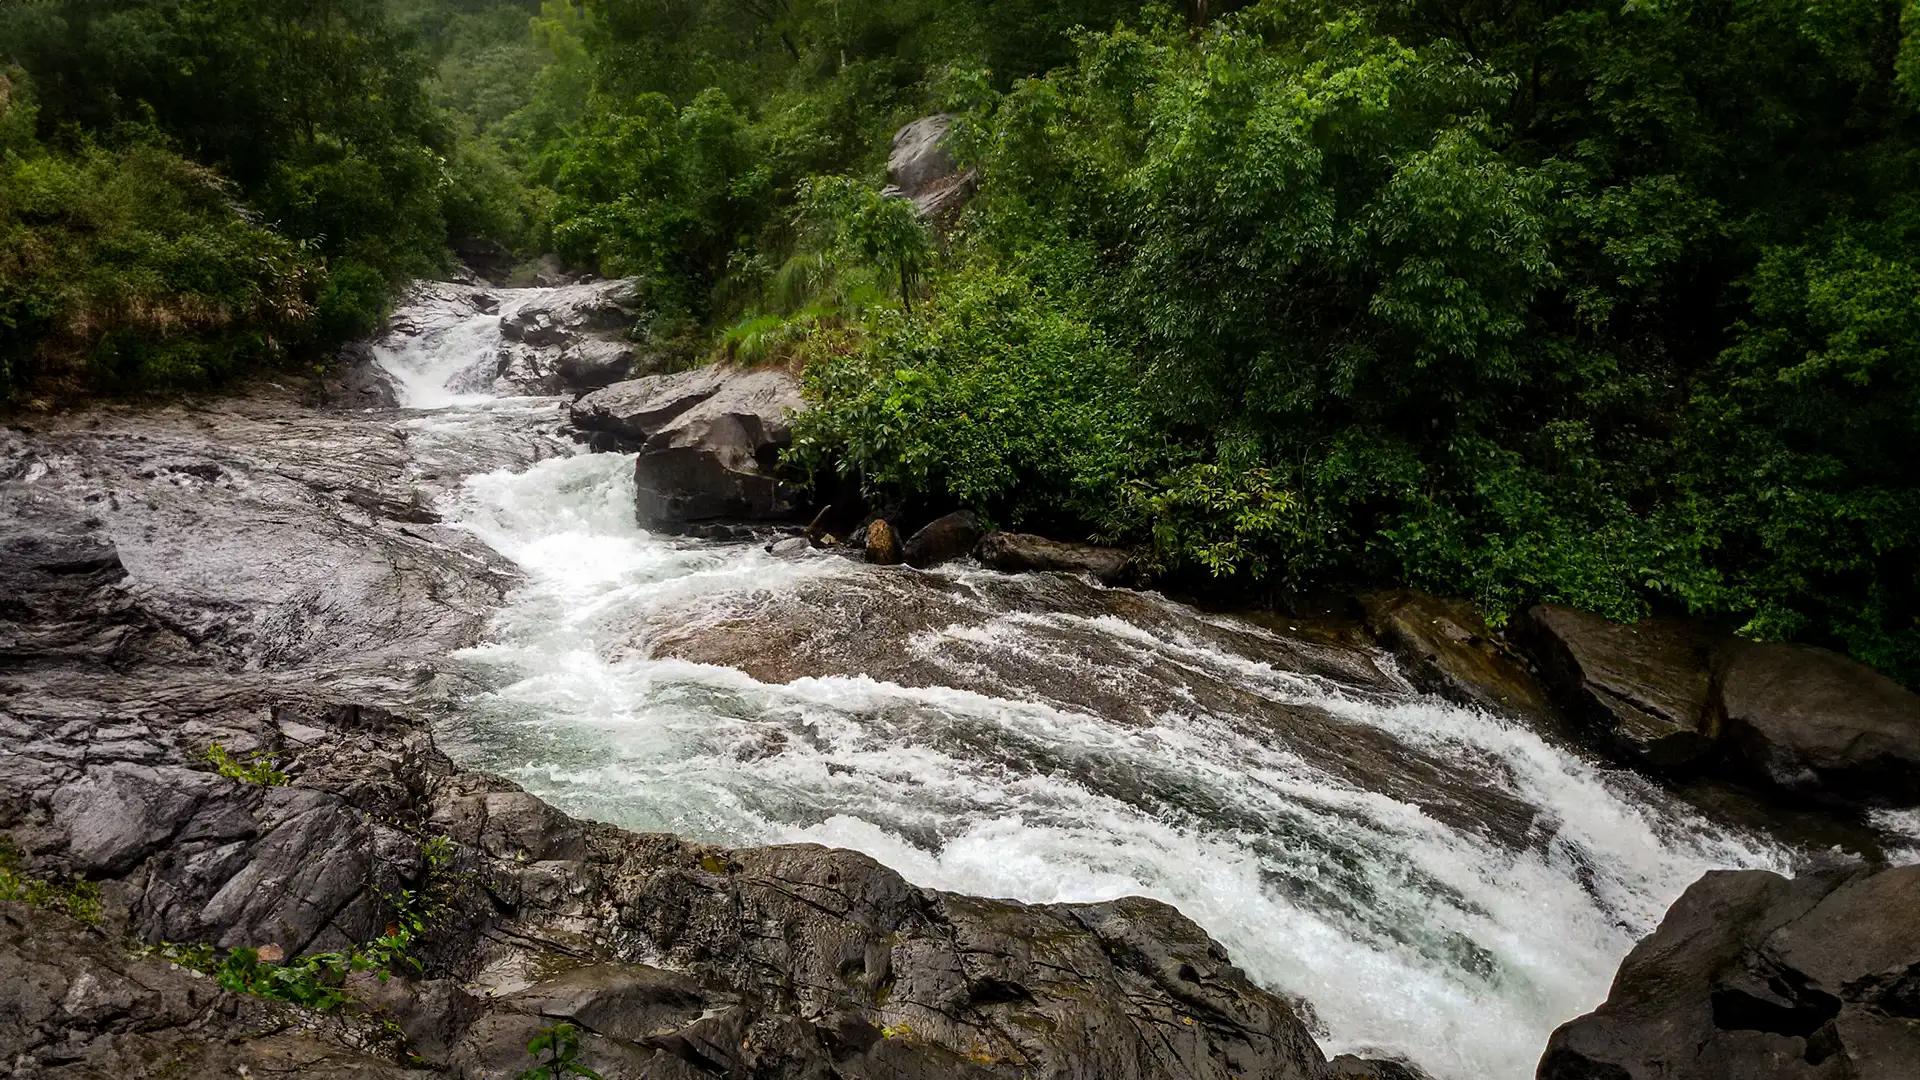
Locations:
{"points": [[1437, 883]]}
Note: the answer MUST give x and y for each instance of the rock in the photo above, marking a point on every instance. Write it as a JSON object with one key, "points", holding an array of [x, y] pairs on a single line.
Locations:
{"points": [[76, 1005], [360, 382], [882, 546], [1642, 688], [919, 168], [1019, 553], [944, 539], [589, 365], [709, 441], [1813, 722], [791, 547], [1754, 975], [1349, 1067], [565, 339], [1448, 649]]}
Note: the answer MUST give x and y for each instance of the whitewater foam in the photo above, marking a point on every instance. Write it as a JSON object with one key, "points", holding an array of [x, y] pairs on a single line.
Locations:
{"points": [[1409, 932]]}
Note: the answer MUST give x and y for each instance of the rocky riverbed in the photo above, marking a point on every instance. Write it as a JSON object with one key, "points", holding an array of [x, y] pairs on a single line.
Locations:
{"points": [[733, 813]]}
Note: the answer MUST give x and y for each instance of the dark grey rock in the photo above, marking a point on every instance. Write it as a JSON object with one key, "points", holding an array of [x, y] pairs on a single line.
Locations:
{"points": [[1754, 975], [1643, 689], [1814, 722], [1026, 553], [1448, 649], [943, 539], [76, 1005], [708, 443]]}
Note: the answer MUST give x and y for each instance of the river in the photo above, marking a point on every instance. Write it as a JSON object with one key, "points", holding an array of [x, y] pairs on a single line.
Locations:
{"points": [[1438, 883]]}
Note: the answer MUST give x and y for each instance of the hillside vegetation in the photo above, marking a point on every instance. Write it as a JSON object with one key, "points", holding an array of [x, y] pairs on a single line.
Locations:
{"points": [[1610, 304]]}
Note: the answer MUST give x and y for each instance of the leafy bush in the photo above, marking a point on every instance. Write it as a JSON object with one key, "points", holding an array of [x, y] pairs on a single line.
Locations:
{"points": [[256, 769]]}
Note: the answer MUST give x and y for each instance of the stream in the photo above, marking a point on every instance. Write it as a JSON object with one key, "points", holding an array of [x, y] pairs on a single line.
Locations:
{"points": [[1438, 883]]}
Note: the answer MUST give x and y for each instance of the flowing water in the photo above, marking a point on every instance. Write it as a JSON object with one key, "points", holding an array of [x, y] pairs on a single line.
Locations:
{"points": [[1438, 883]]}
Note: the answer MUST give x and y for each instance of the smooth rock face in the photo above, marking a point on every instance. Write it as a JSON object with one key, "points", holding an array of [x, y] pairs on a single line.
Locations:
{"points": [[1809, 720], [943, 539], [708, 441], [1449, 650], [919, 168], [1643, 688], [1027, 553], [1753, 975]]}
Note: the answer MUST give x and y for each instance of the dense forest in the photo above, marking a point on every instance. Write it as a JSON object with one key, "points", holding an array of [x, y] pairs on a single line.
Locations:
{"points": [[1611, 304]]}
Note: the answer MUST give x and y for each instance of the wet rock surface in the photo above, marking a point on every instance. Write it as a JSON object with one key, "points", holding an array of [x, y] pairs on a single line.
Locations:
{"points": [[270, 580], [944, 539], [1813, 722], [1020, 553], [708, 442], [1449, 650], [1755, 975], [1644, 688]]}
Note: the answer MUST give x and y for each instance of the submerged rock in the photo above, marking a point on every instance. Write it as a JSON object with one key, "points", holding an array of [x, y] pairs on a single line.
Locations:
{"points": [[1027, 553], [1643, 688], [709, 442], [1449, 650], [1814, 722], [943, 539], [1754, 975]]}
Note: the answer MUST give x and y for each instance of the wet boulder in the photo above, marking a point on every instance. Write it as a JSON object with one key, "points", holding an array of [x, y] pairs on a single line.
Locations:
{"points": [[708, 442], [1754, 975], [1020, 553], [1812, 721], [566, 339], [882, 547], [1449, 650], [943, 539], [920, 168], [1642, 688]]}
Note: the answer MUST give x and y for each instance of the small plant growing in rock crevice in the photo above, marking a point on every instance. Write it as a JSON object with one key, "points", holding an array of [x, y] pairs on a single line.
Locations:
{"points": [[78, 898], [257, 769], [561, 1044], [317, 980]]}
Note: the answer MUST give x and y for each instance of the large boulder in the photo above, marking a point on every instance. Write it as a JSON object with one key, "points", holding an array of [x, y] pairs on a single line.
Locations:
{"points": [[708, 442], [1812, 721], [943, 539], [1643, 688], [566, 339], [920, 168], [1449, 650], [1754, 975], [1021, 553]]}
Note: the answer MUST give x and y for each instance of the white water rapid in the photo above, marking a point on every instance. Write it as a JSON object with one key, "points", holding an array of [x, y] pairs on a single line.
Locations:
{"points": [[1440, 884]]}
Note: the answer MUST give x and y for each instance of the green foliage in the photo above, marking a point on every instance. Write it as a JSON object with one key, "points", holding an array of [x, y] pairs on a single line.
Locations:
{"points": [[256, 769], [192, 189], [561, 1045], [79, 898], [316, 980], [997, 398]]}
